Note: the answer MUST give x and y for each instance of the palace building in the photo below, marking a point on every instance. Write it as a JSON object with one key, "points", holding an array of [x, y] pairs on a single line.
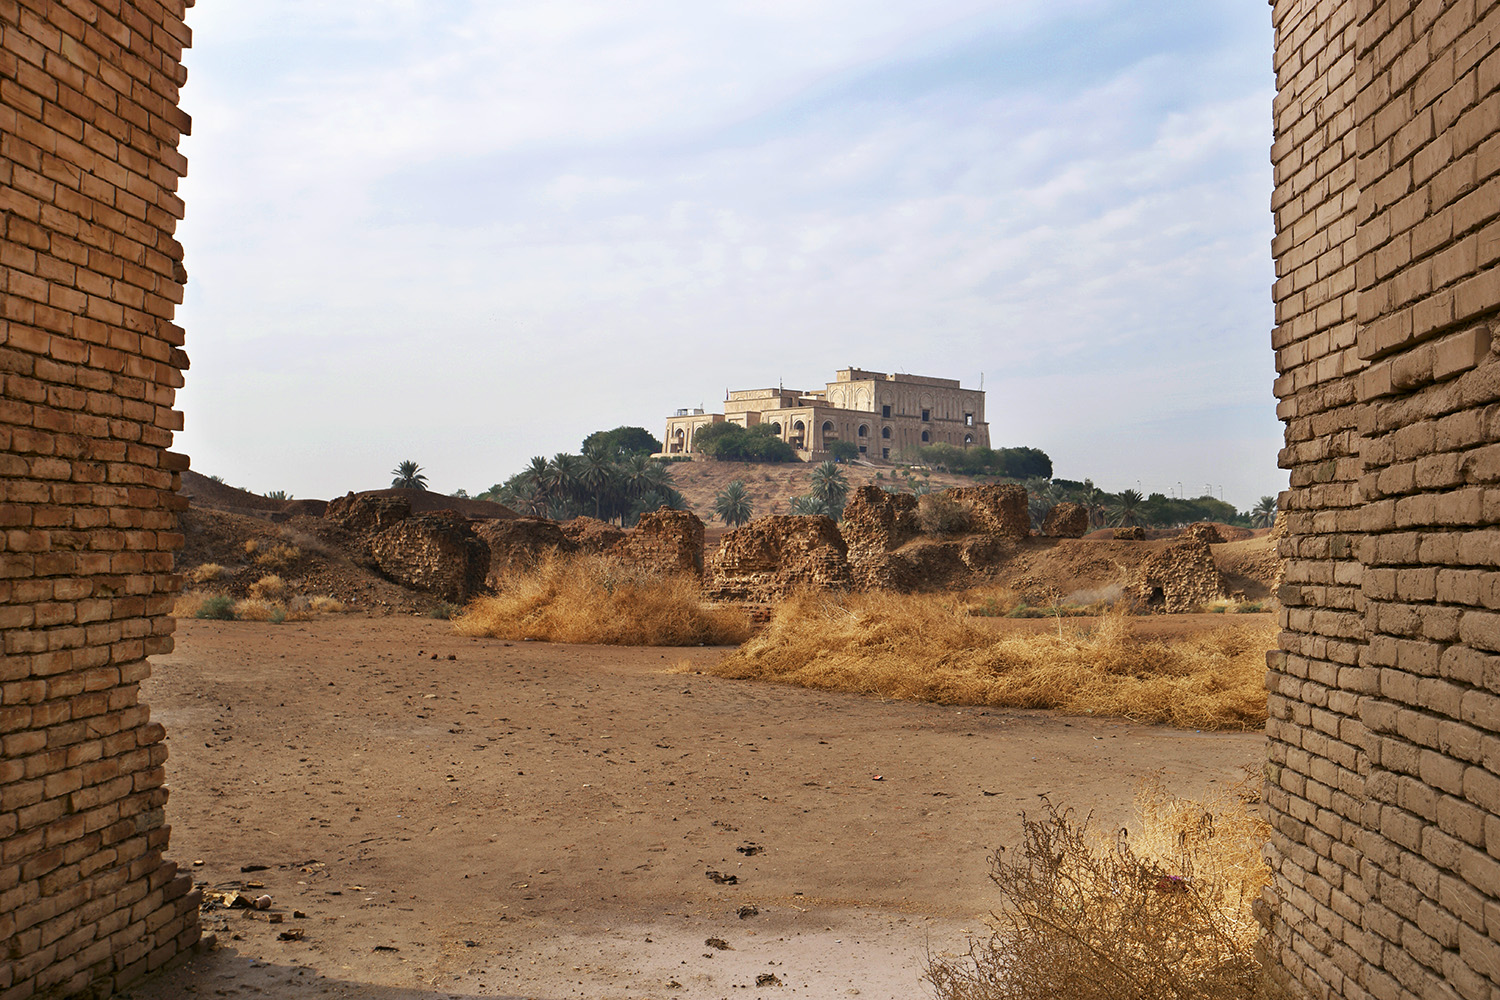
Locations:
{"points": [[881, 414]]}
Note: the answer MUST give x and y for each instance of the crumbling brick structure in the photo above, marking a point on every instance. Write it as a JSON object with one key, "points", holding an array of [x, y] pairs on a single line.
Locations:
{"points": [[90, 360], [1067, 520], [775, 556], [1180, 579], [1384, 778], [437, 552], [664, 542]]}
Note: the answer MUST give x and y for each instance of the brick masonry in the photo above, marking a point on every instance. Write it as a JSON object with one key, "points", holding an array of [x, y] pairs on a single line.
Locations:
{"points": [[90, 360], [1383, 784]]}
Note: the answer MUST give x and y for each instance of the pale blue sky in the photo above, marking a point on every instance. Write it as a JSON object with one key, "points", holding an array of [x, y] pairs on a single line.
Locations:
{"points": [[466, 233]]}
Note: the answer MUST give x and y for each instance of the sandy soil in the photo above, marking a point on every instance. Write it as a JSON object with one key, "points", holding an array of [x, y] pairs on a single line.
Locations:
{"points": [[449, 817]]}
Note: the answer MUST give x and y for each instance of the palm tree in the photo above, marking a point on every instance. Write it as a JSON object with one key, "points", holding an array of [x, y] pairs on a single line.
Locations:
{"points": [[408, 477], [1263, 514], [830, 490], [1126, 509], [732, 504], [804, 506], [562, 482], [598, 475]]}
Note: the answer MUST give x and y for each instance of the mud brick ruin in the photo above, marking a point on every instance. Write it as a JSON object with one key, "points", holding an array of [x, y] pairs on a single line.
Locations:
{"points": [[91, 361], [775, 556], [1383, 781], [1384, 775]]}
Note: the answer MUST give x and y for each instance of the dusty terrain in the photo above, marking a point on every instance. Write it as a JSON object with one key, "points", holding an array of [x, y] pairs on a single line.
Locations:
{"points": [[449, 817]]}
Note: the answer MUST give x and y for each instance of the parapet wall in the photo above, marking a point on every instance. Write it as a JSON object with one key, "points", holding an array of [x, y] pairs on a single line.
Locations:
{"points": [[1383, 784], [90, 360]]}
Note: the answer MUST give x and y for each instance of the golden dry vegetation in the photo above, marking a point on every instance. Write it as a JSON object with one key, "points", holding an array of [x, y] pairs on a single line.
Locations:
{"points": [[929, 648], [1164, 912], [590, 599]]}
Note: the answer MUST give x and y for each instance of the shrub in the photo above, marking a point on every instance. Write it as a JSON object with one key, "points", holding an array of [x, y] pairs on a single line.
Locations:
{"points": [[1164, 914], [258, 609], [594, 600], [322, 604], [219, 607], [205, 573], [940, 514], [444, 611], [271, 588], [923, 648]]}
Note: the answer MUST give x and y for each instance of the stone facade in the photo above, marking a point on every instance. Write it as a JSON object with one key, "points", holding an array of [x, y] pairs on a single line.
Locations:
{"points": [[90, 276], [881, 414], [1383, 784]]}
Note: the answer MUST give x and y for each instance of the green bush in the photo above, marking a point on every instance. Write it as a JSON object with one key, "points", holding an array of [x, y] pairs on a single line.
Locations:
{"points": [[219, 607]]}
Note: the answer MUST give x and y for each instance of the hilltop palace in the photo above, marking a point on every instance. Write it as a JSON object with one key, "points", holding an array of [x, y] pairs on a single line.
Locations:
{"points": [[880, 413]]}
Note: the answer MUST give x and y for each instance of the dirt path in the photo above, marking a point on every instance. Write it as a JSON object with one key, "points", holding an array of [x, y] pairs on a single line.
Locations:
{"points": [[528, 820]]}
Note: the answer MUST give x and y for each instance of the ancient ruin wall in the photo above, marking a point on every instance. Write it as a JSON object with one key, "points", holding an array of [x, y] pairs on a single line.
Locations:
{"points": [[1384, 781], [775, 556], [664, 542], [89, 278]]}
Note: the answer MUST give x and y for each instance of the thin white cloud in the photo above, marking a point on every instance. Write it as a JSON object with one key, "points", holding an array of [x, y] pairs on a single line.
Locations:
{"points": [[533, 220]]}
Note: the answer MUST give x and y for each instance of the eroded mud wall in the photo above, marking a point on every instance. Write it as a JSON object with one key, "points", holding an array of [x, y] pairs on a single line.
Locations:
{"points": [[90, 361], [1384, 776]]}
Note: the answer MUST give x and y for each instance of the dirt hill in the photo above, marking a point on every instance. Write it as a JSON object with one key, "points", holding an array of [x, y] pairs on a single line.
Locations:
{"points": [[772, 485]]}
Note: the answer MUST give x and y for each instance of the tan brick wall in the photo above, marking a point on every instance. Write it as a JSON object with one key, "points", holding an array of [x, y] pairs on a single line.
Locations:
{"points": [[1384, 777], [90, 362]]}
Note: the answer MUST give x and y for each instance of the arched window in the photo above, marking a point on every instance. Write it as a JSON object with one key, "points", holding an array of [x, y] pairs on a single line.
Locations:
{"points": [[799, 426], [776, 428], [863, 430], [968, 440], [926, 437], [828, 427], [885, 432]]}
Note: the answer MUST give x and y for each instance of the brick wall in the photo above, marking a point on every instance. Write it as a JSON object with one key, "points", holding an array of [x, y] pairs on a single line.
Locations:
{"points": [[1384, 778], [90, 362]]}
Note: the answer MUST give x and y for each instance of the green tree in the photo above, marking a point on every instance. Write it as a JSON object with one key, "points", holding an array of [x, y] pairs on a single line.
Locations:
{"points": [[828, 494], [1125, 512], [732, 504], [623, 441], [1263, 514], [408, 477], [843, 451]]}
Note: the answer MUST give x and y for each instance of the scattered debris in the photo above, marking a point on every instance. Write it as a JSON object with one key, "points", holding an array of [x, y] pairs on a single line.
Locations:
{"points": [[718, 943], [247, 868], [767, 979], [749, 850], [721, 879], [295, 934], [749, 911]]}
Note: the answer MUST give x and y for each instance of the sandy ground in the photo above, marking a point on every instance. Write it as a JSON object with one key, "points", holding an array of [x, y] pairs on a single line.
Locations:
{"points": [[446, 817]]}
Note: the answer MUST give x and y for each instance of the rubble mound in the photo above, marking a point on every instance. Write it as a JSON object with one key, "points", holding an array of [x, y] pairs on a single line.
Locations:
{"points": [[437, 552], [665, 542], [1205, 532], [362, 513], [1179, 579], [774, 556], [1135, 533], [591, 534], [520, 543], [1066, 520]]}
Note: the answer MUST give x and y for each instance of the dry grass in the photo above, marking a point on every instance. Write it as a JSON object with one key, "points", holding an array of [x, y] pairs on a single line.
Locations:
{"points": [[592, 600], [200, 604], [1165, 914], [269, 588], [923, 649], [277, 555], [205, 573]]}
